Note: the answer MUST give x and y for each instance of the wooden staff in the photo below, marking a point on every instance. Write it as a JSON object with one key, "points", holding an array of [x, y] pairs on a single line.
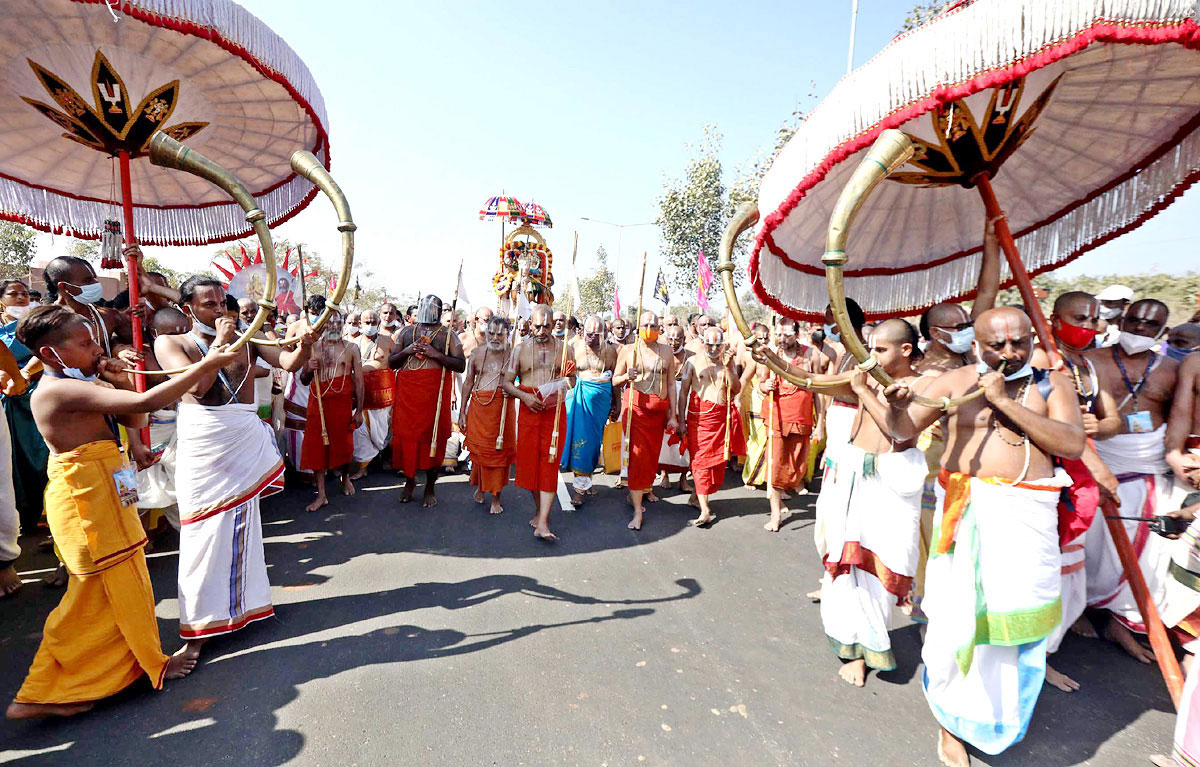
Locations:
{"points": [[728, 416], [315, 388], [437, 413], [772, 406], [562, 365], [636, 344], [500, 384]]}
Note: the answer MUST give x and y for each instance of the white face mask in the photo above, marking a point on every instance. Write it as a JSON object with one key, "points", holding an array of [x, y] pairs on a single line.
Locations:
{"points": [[392, 324], [981, 367], [960, 340], [1135, 344], [34, 304], [17, 311], [1110, 314], [89, 294], [370, 331], [200, 327], [831, 333], [75, 373]]}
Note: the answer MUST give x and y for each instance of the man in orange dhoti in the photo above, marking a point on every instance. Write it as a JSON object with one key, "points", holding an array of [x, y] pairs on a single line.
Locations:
{"points": [[426, 356], [649, 367], [488, 411], [708, 386], [536, 362], [334, 376], [103, 636]]}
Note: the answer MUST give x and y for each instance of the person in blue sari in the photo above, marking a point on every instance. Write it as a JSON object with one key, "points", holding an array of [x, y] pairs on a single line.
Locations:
{"points": [[29, 451], [588, 406]]}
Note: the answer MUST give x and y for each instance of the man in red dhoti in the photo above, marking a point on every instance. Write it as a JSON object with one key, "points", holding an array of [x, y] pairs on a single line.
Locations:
{"points": [[426, 356], [334, 377], [708, 385], [536, 362], [488, 411], [649, 366]]}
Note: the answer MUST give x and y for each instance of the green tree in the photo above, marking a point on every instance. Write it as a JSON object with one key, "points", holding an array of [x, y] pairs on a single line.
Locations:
{"points": [[693, 211], [88, 250], [921, 13], [595, 291], [18, 246]]}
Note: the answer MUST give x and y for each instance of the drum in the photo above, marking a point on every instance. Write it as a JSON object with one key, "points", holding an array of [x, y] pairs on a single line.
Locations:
{"points": [[380, 389]]}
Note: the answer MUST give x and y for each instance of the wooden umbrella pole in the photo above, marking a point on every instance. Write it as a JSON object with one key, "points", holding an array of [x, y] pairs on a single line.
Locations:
{"points": [[437, 413], [315, 387], [1017, 267], [131, 266], [562, 365], [637, 341], [1164, 653]]}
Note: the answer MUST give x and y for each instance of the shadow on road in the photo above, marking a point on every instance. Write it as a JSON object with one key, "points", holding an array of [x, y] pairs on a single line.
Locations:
{"points": [[226, 711]]}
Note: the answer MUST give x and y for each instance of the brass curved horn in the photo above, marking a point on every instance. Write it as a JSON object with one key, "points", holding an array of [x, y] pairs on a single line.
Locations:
{"points": [[745, 217], [307, 165], [166, 152], [891, 150]]}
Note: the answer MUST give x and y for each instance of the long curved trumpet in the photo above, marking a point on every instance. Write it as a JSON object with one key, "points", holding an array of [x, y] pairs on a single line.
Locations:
{"points": [[166, 152], [891, 150], [744, 218]]}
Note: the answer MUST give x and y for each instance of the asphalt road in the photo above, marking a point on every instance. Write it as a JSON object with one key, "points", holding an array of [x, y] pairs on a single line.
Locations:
{"points": [[410, 636]]}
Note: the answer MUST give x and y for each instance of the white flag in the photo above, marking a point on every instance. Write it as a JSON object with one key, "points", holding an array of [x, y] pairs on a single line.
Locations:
{"points": [[463, 298]]}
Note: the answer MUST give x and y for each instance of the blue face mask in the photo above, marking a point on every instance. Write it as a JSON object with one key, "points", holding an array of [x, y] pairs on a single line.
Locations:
{"points": [[1178, 354], [831, 333], [75, 373], [89, 294]]}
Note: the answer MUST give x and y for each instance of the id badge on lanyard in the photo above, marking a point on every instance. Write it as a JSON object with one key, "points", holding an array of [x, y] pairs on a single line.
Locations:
{"points": [[125, 480], [1139, 422]]}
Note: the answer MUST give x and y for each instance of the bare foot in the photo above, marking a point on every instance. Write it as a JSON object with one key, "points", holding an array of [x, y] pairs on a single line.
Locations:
{"points": [[58, 578], [577, 498], [685, 486], [636, 524], [704, 520], [663, 481], [1084, 628], [651, 497], [1115, 632], [347, 485], [802, 490], [814, 595], [544, 534], [693, 501], [496, 507], [771, 527], [318, 503], [429, 499], [533, 523], [854, 672], [950, 750], [10, 582], [181, 664], [1058, 679], [362, 472], [478, 497], [620, 485], [40, 710], [407, 493]]}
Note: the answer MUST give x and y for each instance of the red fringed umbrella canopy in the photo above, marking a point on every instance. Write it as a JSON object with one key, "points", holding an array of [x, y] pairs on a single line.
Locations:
{"points": [[503, 208], [537, 216], [1079, 117], [83, 86]]}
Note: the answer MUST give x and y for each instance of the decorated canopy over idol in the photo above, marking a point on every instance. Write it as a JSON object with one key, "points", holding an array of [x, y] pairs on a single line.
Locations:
{"points": [[83, 84], [1081, 119]]}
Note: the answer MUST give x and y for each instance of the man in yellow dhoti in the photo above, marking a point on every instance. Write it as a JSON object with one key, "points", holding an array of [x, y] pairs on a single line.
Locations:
{"points": [[103, 636]]}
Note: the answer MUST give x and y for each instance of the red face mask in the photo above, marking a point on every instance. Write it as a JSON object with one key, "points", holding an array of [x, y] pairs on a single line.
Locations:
{"points": [[1075, 336]]}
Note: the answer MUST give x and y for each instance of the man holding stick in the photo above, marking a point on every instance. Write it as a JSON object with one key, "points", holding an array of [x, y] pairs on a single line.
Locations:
{"points": [[545, 371], [488, 420], [648, 366], [425, 355], [709, 383], [334, 375]]}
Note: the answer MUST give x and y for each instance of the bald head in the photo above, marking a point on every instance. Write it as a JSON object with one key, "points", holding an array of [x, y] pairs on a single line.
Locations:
{"points": [[1005, 337], [649, 320], [896, 330], [894, 343]]}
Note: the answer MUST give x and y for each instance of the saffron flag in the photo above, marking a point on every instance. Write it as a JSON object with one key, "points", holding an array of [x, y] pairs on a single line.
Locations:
{"points": [[704, 280], [660, 288]]}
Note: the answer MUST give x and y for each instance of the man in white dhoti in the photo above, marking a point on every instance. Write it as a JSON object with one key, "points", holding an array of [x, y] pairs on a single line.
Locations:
{"points": [[227, 460], [1142, 382], [379, 384], [992, 583]]}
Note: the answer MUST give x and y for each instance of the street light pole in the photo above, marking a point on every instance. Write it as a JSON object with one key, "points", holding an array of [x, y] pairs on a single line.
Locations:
{"points": [[620, 228]]}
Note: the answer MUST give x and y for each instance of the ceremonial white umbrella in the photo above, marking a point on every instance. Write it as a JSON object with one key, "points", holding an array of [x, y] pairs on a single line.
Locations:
{"points": [[1079, 117], [85, 86]]}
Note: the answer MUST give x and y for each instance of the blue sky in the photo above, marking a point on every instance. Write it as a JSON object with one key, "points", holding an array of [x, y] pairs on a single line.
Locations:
{"points": [[583, 107]]}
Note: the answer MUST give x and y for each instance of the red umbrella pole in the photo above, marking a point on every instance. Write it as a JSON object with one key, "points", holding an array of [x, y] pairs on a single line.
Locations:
{"points": [[135, 297], [1017, 267], [1164, 653]]}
